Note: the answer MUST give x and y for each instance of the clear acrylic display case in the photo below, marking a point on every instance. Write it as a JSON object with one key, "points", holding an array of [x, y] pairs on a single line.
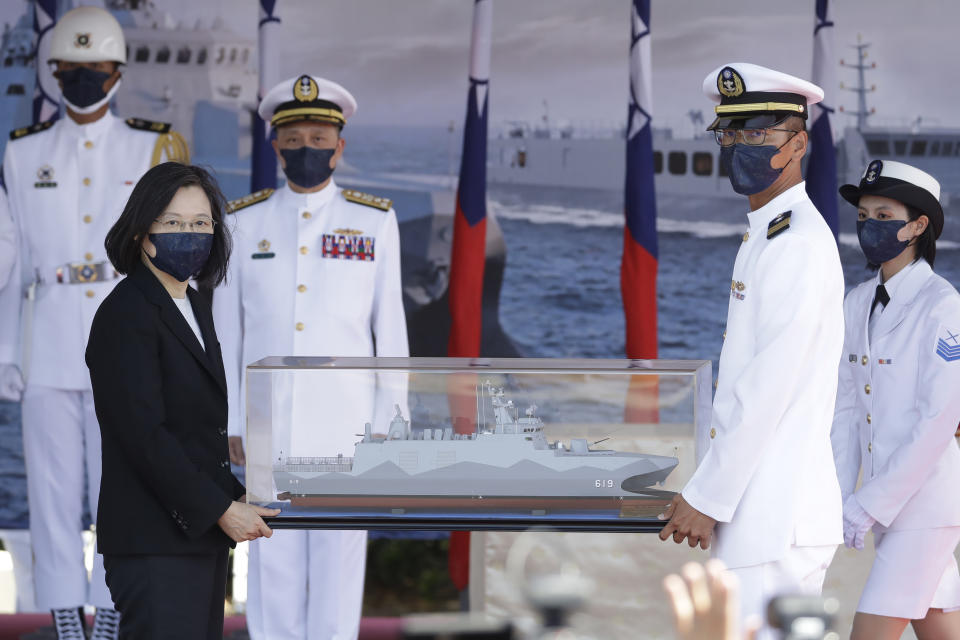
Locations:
{"points": [[476, 444]]}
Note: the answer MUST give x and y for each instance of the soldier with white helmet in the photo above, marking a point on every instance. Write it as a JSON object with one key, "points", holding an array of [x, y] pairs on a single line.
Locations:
{"points": [[67, 183], [315, 272]]}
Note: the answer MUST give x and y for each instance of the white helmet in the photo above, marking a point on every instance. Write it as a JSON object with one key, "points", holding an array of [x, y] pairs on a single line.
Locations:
{"points": [[88, 34]]}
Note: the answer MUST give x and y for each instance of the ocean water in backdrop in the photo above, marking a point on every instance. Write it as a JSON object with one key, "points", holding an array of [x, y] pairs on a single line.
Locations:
{"points": [[561, 289]]}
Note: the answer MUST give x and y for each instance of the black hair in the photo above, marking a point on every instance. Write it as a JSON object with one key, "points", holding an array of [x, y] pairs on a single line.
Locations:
{"points": [[925, 245], [148, 201], [926, 242]]}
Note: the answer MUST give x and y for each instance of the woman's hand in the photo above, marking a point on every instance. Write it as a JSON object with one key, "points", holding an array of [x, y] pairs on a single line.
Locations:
{"points": [[237, 457], [243, 521]]}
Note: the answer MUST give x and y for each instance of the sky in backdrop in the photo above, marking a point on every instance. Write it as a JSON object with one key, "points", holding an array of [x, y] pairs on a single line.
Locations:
{"points": [[406, 60]]}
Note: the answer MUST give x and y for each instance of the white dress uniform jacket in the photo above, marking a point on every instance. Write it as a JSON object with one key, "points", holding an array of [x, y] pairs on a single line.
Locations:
{"points": [[311, 275], [8, 244], [768, 476], [898, 402], [66, 185]]}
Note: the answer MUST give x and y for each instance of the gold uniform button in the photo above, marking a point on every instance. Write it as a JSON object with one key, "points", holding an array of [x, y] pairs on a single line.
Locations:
{"points": [[724, 335], [304, 251], [713, 433], [870, 447], [88, 219], [88, 144], [302, 288], [866, 389], [299, 326], [86, 182], [88, 257], [746, 236], [306, 215], [869, 419], [864, 360], [90, 293]]}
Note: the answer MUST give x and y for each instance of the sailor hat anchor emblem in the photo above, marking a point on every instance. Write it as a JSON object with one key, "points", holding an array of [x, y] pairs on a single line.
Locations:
{"points": [[305, 89], [873, 172], [82, 41], [729, 82]]}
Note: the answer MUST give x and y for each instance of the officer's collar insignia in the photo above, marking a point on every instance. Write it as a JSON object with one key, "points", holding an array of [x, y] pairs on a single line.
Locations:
{"points": [[305, 89], [730, 83], [874, 170], [948, 344], [348, 232], [264, 245], [82, 41], [778, 225]]}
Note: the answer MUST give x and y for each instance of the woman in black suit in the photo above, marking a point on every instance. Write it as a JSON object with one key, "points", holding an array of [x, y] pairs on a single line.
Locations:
{"points": [[169, 507]]}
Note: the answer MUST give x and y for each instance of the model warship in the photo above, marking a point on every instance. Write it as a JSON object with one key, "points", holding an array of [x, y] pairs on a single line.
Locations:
{"points": [[511, 460]]}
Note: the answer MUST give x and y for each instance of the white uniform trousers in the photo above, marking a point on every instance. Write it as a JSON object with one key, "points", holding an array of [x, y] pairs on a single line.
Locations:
{"points": [[914, 571], [800, 572], [61, 438], [17, 544], [306, 585]]}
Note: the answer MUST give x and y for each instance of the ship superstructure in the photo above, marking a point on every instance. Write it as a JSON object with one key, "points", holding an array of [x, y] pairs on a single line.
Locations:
{"points": [[513, 458]]}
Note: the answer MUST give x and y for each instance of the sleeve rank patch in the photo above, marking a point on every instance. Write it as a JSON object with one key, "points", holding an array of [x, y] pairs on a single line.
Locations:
{"points": [[34, 128], [778, 225], [368, 200], [148, 125], [257, 196]]}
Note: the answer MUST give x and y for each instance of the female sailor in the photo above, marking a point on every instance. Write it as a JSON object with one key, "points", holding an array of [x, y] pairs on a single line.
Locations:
{"points": [[898, 408]]}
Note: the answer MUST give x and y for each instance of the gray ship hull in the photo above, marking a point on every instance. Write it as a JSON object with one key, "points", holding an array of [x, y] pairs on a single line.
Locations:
{"points": [[470, 479]]}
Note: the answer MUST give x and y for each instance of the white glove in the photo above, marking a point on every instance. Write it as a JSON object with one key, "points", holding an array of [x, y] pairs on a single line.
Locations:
{"points": [[856, 523], [11, 383]]}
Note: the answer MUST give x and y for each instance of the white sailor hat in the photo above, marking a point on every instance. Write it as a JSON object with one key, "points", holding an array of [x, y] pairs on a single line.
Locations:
{"points": [[900, 182], [307, 97], [754, 97]]}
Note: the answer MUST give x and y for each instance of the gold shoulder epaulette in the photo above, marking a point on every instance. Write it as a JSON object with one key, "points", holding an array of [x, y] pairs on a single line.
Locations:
{"points": [[778, 225], [147, 125], [367, 199], [171, 145], [34, 128], [257, 196]]}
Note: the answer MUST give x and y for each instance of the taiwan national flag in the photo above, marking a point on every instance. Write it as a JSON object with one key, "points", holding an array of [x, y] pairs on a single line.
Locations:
{"points": [[638, 268], [46, 94], [822, 165]]}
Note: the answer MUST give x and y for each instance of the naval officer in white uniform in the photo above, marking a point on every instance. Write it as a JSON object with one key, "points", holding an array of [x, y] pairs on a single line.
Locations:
{"points": [[767, 482], [898, 407], [315, 272], [67, 183]]}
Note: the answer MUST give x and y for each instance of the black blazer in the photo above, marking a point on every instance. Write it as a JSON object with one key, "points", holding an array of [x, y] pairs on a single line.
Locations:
{"points": [[162, 406]]}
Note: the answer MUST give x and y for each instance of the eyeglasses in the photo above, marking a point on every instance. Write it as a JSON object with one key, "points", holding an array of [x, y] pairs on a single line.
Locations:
{"points": [[203, 224], [752, 137]]}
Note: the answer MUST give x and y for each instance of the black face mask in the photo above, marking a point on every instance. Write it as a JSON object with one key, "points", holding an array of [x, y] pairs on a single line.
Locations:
{"points": [[307, 167], [82, 86]]}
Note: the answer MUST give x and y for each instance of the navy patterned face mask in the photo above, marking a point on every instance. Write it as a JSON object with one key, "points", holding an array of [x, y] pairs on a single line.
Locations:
{"points": [[307, 167], [183, 254], [879, 241], [82, 86], [748, 166]]}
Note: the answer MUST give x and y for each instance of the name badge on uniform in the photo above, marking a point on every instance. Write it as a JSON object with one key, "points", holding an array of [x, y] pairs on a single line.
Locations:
{"points": [[265, 253], [44, 177], [948, 344], [347, 244]]}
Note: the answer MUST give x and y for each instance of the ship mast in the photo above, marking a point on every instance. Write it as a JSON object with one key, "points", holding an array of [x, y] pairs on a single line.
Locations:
{"points": [[861, 89]]}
